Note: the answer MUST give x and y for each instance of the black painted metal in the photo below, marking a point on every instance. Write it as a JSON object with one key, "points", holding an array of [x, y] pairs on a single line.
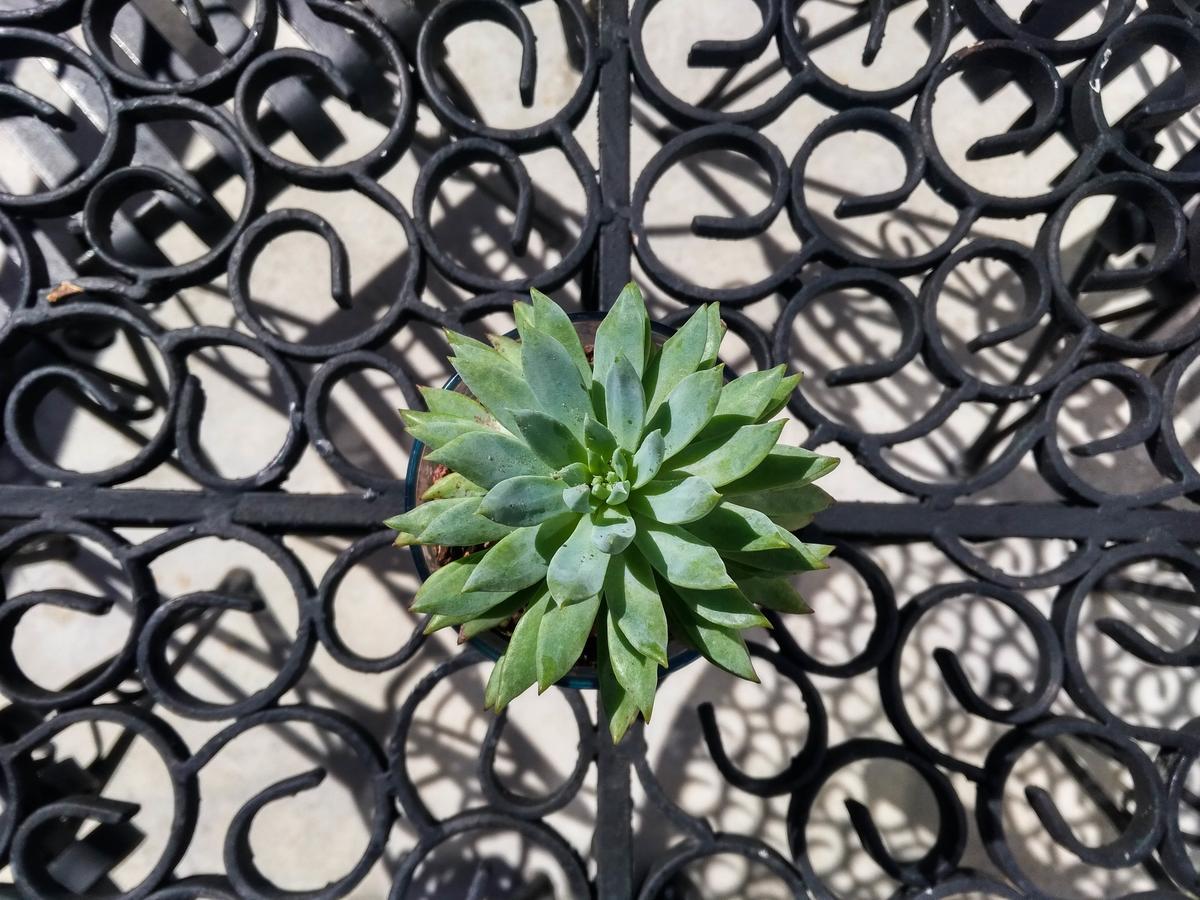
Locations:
{"points": [[75, 228]]}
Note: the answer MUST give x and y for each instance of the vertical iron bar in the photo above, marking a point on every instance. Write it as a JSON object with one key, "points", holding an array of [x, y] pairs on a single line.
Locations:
{"points": [[616, 244], [613, 841]]}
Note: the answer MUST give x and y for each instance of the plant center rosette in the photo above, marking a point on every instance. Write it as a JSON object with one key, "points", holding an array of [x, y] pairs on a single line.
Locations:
{"points": [[615, 503]]}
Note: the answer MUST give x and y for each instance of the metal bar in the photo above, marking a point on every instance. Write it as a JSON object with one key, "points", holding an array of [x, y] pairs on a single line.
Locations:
{"points": [[616, 242]]}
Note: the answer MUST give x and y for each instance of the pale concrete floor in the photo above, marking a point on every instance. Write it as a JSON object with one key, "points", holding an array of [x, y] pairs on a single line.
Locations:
{"points": [[305, 841]]}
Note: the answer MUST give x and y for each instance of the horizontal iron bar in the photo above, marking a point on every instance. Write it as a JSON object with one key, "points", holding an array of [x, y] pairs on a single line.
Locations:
{"points": [[351, 512]]}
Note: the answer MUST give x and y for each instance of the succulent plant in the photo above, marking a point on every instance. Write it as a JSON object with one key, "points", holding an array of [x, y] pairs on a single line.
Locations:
{"points": [[638, 497]]}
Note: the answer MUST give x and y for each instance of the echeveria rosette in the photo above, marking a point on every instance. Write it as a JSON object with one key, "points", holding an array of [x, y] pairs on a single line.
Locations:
{"points": [[639, 497]]}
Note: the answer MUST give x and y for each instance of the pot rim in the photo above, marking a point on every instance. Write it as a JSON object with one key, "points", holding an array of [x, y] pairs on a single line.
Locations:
{"points": [[581, 677]]}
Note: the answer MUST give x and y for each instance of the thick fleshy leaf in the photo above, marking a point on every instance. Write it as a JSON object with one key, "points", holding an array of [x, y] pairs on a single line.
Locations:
{"points": [[496, 383], [784, 466], [436, 430], [675, 502], [488, 458], [507, 347], [444, 592], [649, 458], [681, 557], [524, 500], [679, 357], [562, 636], [625, 331], [725, 460], [741, 402], [520, 667], [688, 409], [625, 403], [452, 486], [500, 613], [521, 558], [452, 403], [462, 526], [790, 507], [577, 498], [797, 557], [728, 607], [492, 691], [638, 674], [554, 380], [523, 315], [720, 645], [618, 493], [574, 474], [633, 601], [599, 439], [774, 593], [550, 440], [716, 332], [618, 705], [733, 527], [612, 529], [783, 393], [577, 568], [418, 518], [553, 320]]}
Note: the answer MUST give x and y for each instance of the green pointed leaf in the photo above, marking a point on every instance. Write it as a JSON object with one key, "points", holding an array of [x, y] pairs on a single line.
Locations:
{"points": [[618, 706], [577, 568], [524, 500], [444, 592], [612, 529], [637, 674], [742, 401], [618, 493], [520, 667], [436, 430], [625, 331], [783, 467], [452, 486], [716, 333], [633, 600], [681, 557], [790, 507], [492, 691], [720, 645], [575, 474], [797, 557], [625, 403], [680, 356], [688, 409], [649, 458], [507, 347], [500, 613], [577, 498], [452, 403], [725, 460], [462, 526], [733, 527], [774, 593], [523, 315], [496, 383], [522, 558], [554, 321], [598, 438], [418, 518], [783, 393], [728, 607], [550, 440], [675, 502], [488, 458], [555, 380], [561, 638]]}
